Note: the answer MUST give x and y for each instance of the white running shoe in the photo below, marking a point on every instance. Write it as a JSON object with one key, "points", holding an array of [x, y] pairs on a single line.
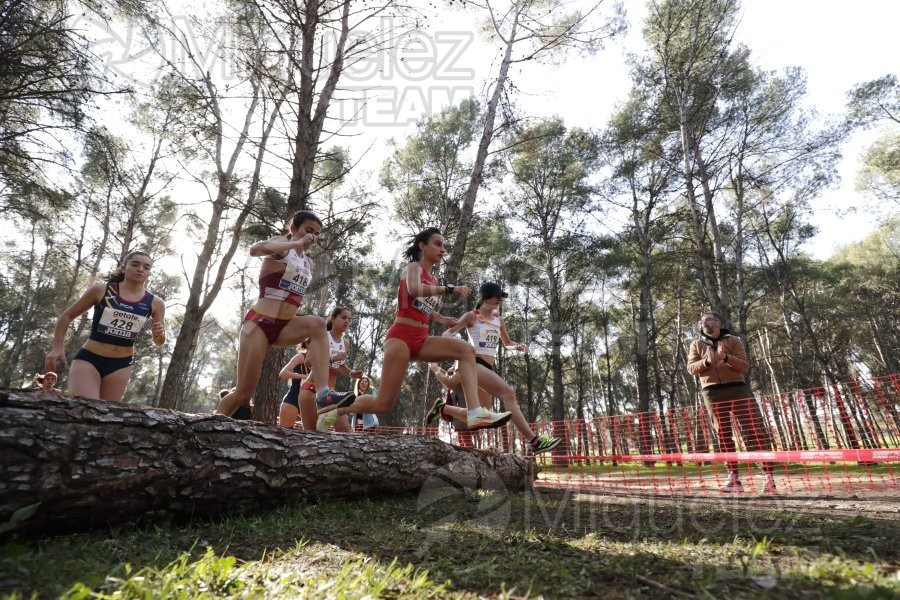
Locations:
{"points": [[732, 484], [482, 417]]}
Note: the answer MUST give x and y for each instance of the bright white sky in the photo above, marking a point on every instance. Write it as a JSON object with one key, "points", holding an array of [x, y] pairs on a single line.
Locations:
{"points": [[838, 44]]}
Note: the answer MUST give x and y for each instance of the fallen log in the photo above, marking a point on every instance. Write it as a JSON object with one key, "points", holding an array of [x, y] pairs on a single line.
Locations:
{"points": [[78, 463]]}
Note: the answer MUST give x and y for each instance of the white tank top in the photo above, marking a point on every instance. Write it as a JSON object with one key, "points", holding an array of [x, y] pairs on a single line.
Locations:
{"points": [[335, 348], [291, 285], [484, 335]]}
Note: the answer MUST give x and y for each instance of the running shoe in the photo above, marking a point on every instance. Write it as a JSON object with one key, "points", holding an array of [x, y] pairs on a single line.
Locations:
{"points": [[482, 418], [544, 443], [324, 422], [434, 412], [732, 484], [329, 401]]}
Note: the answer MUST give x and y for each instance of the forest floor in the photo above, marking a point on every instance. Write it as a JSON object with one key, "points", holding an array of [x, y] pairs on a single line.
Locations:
{"points": [[447, 542]]}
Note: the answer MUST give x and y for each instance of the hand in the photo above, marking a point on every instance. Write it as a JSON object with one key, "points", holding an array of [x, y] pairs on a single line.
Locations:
{"points": [[461, 291], [306, 242], [523, 348], [356, 374], [338, 357], [449, 322], [53, 357], [721, 352], [157, 328]]}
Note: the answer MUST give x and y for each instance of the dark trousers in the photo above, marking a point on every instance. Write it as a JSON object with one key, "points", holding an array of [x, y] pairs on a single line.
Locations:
{"points": [[738, 400]]}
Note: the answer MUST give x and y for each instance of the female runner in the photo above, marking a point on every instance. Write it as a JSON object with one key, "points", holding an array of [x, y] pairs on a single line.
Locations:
{"points": [[296, 371], [338, 349], [122, 305], [486, 330], [46, 382], [408, 339], [284, 276]]}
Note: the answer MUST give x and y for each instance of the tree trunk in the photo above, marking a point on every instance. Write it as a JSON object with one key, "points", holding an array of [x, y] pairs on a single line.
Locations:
{"points": [[139, 201], [266, 398], [558, 406], [207, 280], [312, 112], [11, 364], [642, 347], [531, 403], [87, 463], [75, 339], [175, 383], [453, 266]]}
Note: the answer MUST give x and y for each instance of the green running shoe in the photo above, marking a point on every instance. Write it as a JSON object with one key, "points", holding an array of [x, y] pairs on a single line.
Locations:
{"points": [[435, 411], [544, 443]]}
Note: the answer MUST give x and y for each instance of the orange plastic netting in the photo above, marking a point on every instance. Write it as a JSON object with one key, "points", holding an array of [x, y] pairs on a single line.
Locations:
{"points": [[844, 438]]}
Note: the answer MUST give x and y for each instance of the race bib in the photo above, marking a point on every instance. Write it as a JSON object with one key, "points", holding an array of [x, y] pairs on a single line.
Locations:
{"points": [[490, 338], [120, 324], [426, 305], [296, 278]]}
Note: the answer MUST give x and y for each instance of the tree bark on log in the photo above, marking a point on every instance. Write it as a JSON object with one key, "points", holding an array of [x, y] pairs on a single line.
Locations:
{"points": [[89, 462]]}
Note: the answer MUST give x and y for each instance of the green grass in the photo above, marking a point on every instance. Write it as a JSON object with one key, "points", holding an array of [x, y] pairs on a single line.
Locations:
{"points": [[215, 576], [458, 545]]}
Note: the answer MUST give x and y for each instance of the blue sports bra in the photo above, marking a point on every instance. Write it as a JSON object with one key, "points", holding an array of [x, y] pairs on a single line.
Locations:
{"points": [[117, 321]]}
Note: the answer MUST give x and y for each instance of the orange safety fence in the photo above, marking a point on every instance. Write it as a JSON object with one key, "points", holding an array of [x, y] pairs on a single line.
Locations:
{"points": [[839, 439]]}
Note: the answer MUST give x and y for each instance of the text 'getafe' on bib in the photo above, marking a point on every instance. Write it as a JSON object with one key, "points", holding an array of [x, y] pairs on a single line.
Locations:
{"points": [[120, 324]]}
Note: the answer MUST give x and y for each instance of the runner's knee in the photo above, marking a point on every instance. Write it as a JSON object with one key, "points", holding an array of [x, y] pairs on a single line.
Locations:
{"points": [[508, 397], [464, 352]]}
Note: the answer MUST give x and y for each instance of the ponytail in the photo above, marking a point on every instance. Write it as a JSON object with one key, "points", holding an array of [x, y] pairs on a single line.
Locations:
{"points": [[414, 253]]}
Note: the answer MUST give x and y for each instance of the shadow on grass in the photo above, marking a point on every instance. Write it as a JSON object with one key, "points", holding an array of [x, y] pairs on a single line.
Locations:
{"points": [[558, 544]]}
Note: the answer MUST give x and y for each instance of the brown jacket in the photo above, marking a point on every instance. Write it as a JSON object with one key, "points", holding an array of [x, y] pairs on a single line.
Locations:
{"points": [[730, 370]]}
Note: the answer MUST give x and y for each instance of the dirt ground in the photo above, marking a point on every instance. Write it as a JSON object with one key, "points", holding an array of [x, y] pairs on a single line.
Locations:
{"points": [[876, 497]]}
